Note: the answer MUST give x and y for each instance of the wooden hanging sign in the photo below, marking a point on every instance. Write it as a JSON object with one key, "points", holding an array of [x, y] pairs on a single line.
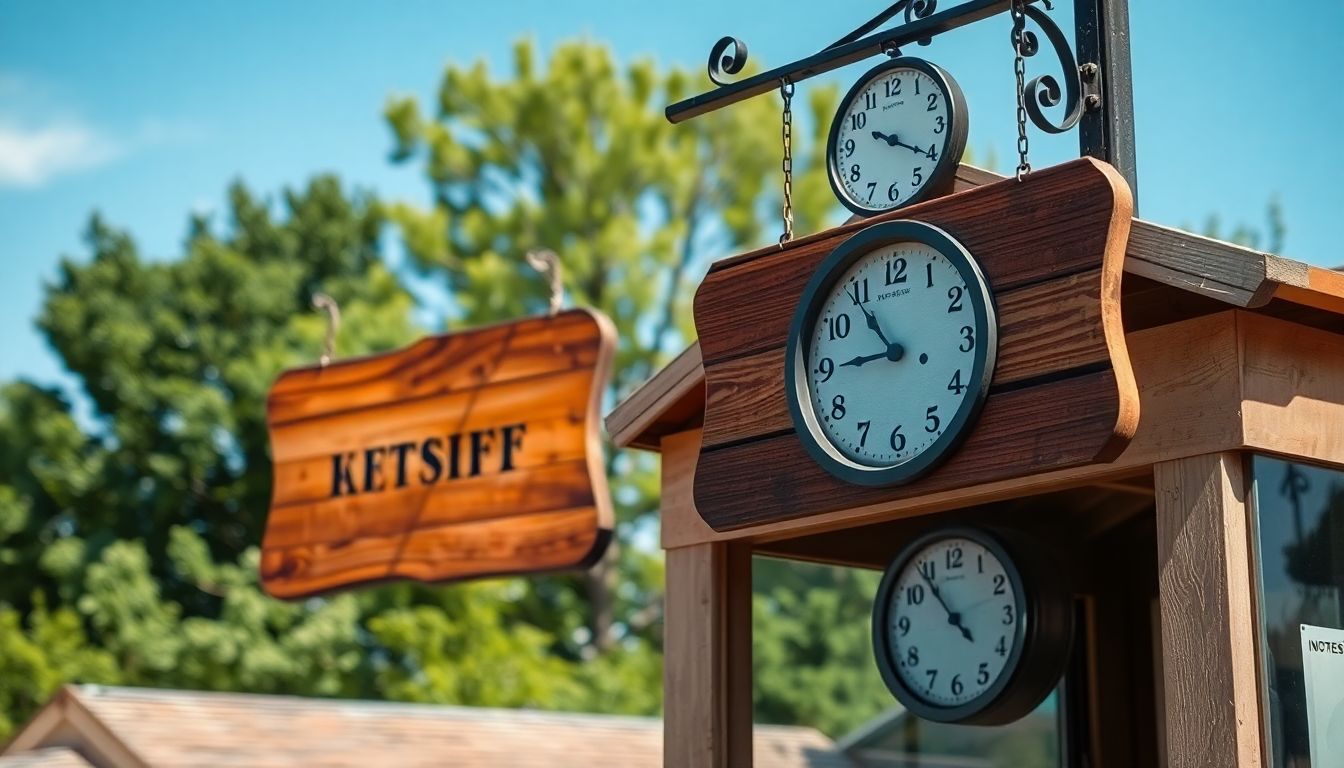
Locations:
{"points": [[464, 455], [1062, 392]]}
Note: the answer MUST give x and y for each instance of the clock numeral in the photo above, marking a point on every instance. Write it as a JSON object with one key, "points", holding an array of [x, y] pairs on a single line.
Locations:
{"points": [[855, 173], [903, 624], [863, 432], [933, 152], [955, 386], [838, 326], [954, 293], [858, 120], [1008, 617], [1002, 647], [933, 103], [931, 421], [954, 558], [897, 439], [912, 656], [916, 86], [896, 271], [826, 368], [941, 124], [928, 271], [956, 687], [929, 569], [838, 407], [914, 594], [893, 194], [982, 677], [998, 584], [933, 676], [849, 146], [967, 339], [979, 563], [870, 100], [872, 187], [918, 176], [858, 292], [894, 87]]}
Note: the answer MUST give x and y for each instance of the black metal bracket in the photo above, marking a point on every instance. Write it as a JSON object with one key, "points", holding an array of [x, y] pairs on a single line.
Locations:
{"points": [[1095, 96]]}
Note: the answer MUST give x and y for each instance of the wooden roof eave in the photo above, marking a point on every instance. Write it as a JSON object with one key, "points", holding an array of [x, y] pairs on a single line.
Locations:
{"points": [[1231, 275]]}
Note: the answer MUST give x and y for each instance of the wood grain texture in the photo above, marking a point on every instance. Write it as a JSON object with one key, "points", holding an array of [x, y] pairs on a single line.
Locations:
{"points": [[670, 402], [707, 657], [463, 455], [1052, 249], [1189, 380], [1210, 680]]}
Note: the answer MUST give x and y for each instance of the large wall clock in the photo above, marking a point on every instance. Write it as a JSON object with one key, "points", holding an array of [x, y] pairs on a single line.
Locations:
{"points": [[890, 353], [971, 626], [897, 137]]}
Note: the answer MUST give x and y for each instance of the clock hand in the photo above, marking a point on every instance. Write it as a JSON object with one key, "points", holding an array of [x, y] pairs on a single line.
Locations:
{"points": [[880, 136], [952, 618], [863, 359]]}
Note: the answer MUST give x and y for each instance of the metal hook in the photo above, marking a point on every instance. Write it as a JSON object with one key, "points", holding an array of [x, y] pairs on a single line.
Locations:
{"points": [[548, 264], [325, 302]]}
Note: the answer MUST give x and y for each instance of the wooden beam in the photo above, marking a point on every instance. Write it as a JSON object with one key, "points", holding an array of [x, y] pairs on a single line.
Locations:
{"points": [[707, 657], [1209, 644]]}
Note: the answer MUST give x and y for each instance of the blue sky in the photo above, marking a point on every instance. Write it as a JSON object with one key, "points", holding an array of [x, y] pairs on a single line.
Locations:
{"points": [[147, 110]]}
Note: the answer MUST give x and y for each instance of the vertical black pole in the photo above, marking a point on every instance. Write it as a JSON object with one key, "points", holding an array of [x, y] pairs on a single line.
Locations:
{"points": [[1106, 130]]}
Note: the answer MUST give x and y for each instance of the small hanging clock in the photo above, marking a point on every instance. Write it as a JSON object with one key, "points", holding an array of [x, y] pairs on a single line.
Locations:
{"points": [[897, 137], [971, 626], [890, 353]]}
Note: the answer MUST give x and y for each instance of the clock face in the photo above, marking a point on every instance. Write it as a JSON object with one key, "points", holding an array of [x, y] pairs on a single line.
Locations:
{"points": [[954, 620], [892, 352], [897, 137]]}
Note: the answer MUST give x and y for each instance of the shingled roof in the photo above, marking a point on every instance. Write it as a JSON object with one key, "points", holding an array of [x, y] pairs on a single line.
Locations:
{"points": [[108, 727]]}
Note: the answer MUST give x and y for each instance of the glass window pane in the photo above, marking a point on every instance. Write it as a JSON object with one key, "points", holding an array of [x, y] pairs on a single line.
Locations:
{"points": [[1299, 538]]}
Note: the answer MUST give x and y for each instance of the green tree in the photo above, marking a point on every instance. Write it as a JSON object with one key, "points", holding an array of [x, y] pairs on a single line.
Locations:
{"points": [[577, 156]]}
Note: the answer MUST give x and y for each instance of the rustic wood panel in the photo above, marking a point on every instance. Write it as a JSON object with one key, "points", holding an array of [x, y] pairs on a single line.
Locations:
{"points": [[1052, 248], [1208, 633], [773, 479], [1043, 329], [1189, 383], [463, 455], [707, 657], [1056, 223]]}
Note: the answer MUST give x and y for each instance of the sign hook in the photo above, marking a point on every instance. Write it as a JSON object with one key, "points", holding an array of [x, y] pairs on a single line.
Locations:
{"points": [[324, 302], [547, 263]]}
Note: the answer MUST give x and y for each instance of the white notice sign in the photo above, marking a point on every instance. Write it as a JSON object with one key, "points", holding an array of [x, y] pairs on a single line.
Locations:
{"points": [[1323, 667]]}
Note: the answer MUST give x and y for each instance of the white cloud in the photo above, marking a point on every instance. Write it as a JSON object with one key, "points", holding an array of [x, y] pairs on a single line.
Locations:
{"points": [[30, 157]]}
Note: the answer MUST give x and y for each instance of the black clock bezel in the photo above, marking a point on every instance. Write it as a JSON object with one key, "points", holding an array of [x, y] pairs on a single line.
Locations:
{"points": [[944, 169], [797, 382], [1042, 641]]}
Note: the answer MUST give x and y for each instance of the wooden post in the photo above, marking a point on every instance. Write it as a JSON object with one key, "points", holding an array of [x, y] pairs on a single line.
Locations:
{"points": [[1210, 680], [707, 657]]}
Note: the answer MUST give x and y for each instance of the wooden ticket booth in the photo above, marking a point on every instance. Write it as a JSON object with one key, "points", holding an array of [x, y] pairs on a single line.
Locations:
{"points": [[1138, 452]]}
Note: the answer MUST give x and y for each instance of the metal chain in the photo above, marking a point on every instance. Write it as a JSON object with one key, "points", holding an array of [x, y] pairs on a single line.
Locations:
{"points": [[786, 90], [1020, 68]]}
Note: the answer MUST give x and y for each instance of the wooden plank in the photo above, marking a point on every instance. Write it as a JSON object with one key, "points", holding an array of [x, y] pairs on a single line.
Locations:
{"points": [[1043, 329], [472, 454], [1292, 388], [707, 657], [1189, 384], [1209, 644], [773, 479], [662, 405], [1062, 217]]}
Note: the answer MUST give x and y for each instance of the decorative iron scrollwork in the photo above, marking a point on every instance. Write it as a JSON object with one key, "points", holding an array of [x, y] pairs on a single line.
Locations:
{"points": [[1044, 91], [723, 63]]}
